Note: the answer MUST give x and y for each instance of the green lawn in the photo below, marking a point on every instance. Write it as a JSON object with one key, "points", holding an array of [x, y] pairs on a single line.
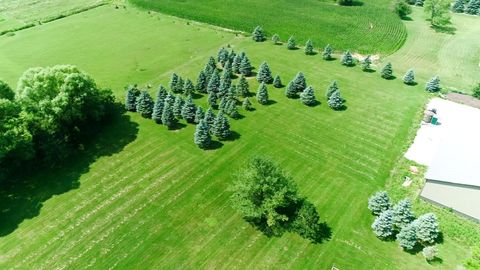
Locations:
{"points": [[144, 197], [371, 27], [453, 56]]}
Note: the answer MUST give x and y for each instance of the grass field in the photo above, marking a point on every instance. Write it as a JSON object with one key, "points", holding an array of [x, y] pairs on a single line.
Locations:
{"points": [[454, 56], [371, 27], [144, 197]]}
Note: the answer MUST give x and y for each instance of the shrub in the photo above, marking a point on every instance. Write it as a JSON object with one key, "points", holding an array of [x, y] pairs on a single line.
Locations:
{"points": [[336, 101], [309, 48], [327, 52], [387, 72], [365, 65], [332, 88], [345, 2], [247, 105], [430, 252], [277, 82], [402, 9], [476, 91], [275, 39]]}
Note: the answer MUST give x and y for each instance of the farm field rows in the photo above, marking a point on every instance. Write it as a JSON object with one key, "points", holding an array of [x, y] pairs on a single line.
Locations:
{"points": [[145, 197]]}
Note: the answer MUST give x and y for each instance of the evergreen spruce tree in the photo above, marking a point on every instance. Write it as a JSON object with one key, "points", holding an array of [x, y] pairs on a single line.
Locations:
{"points": [[473, 7], [231, 56], [232, 109], [161, 93], [131, 98], [224, 86], [419, 3], [327, 52], [209, 117], [236, 64], [222, 104], [347, 59], [214, 83], [383, 224], [173, 82], [336, 101], [243, 88], [379, 202], [332, 88], [309, 48], [308, 96], [188, 110], [245, 67], [409, 77], [264, 74], [227, 70], [402, 214], [291, 91], [366, 63], [188, 88], [202, 137], [145, 104], [291, 45], [170, 99], [277, 82], [177, 106], [299, 82], [232, 93], [275, 39], [427, 228], [458, 6], [258, 35], [433, 85], [212, 100], [157, 111], [387, 72], [222, 56], [247, 105], [407, 237], [179, 87], [168, 119], [262, 94], [221, 127], [202, 82], [199, 114], [210, 68]]}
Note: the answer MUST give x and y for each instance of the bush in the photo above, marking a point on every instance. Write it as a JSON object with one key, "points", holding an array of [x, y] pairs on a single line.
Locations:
{"points": [[430, 252], [402, 9], [5, 91], [476, 91]]}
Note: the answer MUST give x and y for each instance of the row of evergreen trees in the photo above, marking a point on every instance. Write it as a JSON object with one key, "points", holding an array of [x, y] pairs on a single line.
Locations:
{"points": [[468, 6], [347, 59], [399, 220]]}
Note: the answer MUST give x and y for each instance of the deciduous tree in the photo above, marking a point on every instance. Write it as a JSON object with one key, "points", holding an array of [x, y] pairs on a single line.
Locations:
{"points": [[438, 11]]}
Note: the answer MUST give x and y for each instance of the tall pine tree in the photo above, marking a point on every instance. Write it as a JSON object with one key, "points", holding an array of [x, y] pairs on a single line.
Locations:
{"points": [[336, 101], [158, 110], [291, 44], [291, 91], [199, 114], [221, 127], [188, 88], [327, 52], [202, 82], [131, 98], [210, 117], [258, 35], [177, 106], [247, 105], [299, 82], [168, 119], [145, 104], [264, 74], [309, 48], [387, 72], [202, 137], [243, 87], [308, 96], [188, 110], [262, 94], [245, 67], [409, 77]]}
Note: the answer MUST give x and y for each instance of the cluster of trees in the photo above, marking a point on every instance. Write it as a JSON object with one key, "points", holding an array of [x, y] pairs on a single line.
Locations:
{"points": [[468, 6], [399, 220], [268, 199], [49, 115]]}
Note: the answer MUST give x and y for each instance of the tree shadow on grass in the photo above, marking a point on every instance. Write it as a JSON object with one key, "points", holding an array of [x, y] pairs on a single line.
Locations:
{"points": [[314, 104], [234, 136], [22, 196], [177, 126], [270, 102], [444, 29], [435, 261], [197, 95], [214, 145], [369, 70]]}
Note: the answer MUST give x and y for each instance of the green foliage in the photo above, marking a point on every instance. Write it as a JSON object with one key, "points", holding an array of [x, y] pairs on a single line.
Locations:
{"points": [[476, 91], [222, 56], [168, 118], [232, 92], [221, 127], [210, 117], [458, 6], [264, 74], [265, 196], [176, 83], [212, 100], [224, 87], [188, 88], [309, 48], [199, 114], [145, 104], [308, 96], [202, 82], [245, 67], [438, 11], [430, 252], [345, 2], [231, 109], [299, 82], [247, 105], [407, 237], [387, 72], [383, 224], [202, 137], [347, 59], [336, 101], [275, 39], [258, 35], [177, 106], [402, 8], [214, 83], [131, 98], [365, 65], [277, 82], [222, 104], [433, 85], [237, 61], [243, 88], [227, 70], [427, 228], [403, 214], [419, 3], [307, 222], [161, 93], [327, 52], [291, 44], [158, 110], [379, 202], [170, 99], [5, 91], [291, 91], [474, 261], [332, 88], [189, 110], [473, 7], [262, 94], [409, 77]]}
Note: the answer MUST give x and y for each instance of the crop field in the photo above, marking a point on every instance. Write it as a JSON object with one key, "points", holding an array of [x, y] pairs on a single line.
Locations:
{"points": [[453, 55], [141, 196], [371, 27]]}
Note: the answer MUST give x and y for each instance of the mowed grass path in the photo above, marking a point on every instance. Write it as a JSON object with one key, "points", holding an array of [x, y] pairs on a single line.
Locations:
{"points": [[372, 27], [454, 57], [159, 202]]}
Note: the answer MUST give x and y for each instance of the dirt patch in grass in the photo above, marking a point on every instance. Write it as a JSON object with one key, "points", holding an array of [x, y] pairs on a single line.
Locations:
{"points": [[464, 99]]}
